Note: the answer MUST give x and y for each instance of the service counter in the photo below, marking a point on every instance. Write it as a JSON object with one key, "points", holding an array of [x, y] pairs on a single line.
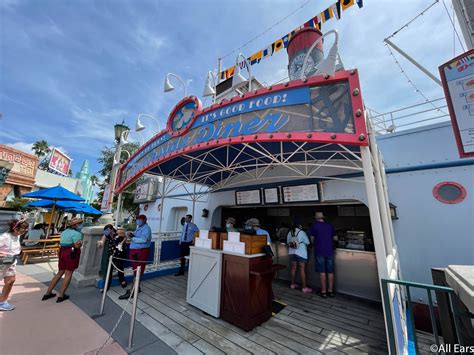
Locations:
{"points": [[355, 271], [235, 287]]}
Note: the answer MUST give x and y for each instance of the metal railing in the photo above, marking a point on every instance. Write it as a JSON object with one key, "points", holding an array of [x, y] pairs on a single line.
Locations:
{"points": [[449, 292], [418, 114]]}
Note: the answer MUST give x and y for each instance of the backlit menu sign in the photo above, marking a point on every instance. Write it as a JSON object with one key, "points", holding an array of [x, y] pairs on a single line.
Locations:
{"points": [[271, 195], [457, 77], [302, 193], [250, 197]]}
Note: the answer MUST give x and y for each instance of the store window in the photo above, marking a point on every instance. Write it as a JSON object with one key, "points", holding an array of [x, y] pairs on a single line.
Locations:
{"points": [[449, 192]]}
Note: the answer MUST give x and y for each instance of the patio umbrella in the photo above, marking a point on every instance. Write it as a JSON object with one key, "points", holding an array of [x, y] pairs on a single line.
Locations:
{"points": [[65, 206], [55, 194]]}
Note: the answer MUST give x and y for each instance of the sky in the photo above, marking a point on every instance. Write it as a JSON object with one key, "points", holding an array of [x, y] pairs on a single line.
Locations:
{"points": [[70, 70]]}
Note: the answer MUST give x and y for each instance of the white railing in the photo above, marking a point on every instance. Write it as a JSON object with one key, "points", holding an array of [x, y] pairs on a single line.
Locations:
{"points": [[409, 116], [158, 238]]}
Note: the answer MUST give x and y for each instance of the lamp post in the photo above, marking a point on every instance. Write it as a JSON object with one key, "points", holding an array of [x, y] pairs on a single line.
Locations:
{"points": [[210, 86], [121, 133], [328, 65], [140, 127], [238, 78], [168, 87]]}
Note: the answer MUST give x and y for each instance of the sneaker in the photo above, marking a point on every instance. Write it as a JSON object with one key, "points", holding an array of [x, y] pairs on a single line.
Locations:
{"points": [[125, 296], [293, 286], [307, 290], [5, 306]]}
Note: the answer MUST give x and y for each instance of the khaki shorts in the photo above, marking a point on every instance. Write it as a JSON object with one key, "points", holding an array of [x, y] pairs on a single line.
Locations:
{"points": [[8, 270]]}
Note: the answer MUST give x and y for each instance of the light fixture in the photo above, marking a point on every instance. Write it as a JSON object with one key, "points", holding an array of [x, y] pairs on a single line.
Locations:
{"points": [[238, 77], [168, 87], [119, 129], [393, 211], [210, 86], [328, 65], [140, 127]]}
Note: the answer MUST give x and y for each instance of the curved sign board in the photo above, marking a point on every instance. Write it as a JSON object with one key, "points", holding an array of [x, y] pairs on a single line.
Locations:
{"points": [[316, 110]]}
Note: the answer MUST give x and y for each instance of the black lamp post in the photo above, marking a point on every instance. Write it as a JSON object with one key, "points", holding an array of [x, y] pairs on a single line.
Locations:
{"points": [[119, 128]]}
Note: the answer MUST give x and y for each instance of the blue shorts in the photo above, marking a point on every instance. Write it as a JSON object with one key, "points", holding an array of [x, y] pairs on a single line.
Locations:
{"points": [[296, 258], [324, 264]]}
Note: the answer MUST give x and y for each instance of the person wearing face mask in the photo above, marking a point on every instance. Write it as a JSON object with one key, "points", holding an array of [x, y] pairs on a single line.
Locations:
{"points": [[230, 225], [69, 255], [186, 240], [253, 224], [140, 242], [115, 239]]}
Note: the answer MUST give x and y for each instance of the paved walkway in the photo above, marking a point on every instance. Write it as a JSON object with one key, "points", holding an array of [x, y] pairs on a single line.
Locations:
{"points": [[37, 327]]}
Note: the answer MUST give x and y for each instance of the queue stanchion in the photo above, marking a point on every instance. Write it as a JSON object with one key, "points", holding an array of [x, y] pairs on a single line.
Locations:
{"points": [[107, 280], [134, 307]]}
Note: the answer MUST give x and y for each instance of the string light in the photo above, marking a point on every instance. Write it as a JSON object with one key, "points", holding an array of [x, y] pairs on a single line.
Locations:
{"points": [[267, 30], [454, 27], [409, 80], [412, 20]]}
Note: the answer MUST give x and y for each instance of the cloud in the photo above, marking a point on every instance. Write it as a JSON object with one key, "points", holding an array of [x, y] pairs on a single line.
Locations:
{"points": [[23, 146]]}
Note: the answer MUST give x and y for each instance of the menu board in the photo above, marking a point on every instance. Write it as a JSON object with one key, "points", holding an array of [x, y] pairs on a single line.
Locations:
{"points": [[250, 197], [271, 195], [457, 77], [300, 193]]}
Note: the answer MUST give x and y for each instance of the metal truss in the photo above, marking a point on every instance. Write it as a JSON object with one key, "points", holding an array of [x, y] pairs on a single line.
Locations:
{"points": [[229, 165]]}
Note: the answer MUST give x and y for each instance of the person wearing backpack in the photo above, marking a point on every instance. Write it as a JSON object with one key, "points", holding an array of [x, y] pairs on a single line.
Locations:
{"points": [[298, 242]]}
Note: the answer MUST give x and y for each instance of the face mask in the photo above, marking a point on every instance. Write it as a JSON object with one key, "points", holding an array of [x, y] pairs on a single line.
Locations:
{"points": [[140, 223], [79, 226], [107, 232], [248, 227], [228, 225]]}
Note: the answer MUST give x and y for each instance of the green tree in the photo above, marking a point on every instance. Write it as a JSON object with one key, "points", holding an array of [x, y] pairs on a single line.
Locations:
{"points": [[18, 204], [41, 148], [106, 160]]}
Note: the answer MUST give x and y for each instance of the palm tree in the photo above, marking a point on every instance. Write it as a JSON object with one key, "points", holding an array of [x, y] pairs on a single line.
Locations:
{"points": [[41, 148], [94, 180]]}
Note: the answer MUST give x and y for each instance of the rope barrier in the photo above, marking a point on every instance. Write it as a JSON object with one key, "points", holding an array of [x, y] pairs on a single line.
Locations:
{"points": [[118, 321]]}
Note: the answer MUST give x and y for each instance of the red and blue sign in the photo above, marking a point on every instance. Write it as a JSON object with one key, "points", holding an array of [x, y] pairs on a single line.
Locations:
{"points": [[316, 110]]}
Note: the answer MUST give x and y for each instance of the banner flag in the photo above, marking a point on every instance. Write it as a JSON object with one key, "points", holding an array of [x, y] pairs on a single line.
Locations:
{"points": [[332, 11], [346, 4]]}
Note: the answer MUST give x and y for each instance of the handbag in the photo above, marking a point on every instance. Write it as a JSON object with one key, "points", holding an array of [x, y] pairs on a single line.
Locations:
{"points": [[7, 260]]}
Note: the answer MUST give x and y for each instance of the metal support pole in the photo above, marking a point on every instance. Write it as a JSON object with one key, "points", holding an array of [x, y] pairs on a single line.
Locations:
{"points": [[194, 199], [104, 295], [134, 307], [413, 61], [162, 201], [117, 210]]}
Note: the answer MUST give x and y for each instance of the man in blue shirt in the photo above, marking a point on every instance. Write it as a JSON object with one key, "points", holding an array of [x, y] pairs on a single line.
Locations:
{"points": [[187, 236], [254, 224], [140, 242]]}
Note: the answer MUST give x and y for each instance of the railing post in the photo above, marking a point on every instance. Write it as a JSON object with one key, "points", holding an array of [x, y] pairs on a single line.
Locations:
{"points": [[412, 319], [134, 307], [433, 318], [107, 278], [388, 313]]}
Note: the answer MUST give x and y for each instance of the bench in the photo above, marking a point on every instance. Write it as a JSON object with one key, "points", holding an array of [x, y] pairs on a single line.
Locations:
{"points": [[26, 253]]}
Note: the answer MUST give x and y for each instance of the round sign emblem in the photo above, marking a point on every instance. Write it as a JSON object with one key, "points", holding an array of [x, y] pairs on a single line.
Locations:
{"points": [[183, 115]]}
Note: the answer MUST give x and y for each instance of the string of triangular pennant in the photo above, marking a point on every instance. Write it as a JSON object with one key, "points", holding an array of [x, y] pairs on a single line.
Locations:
{"points": [[332, 11]]}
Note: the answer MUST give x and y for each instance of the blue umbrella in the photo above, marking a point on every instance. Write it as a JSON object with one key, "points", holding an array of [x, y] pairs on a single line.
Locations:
{"points": [[56, 193], [88, 209], [65, 205], [62, 205]]}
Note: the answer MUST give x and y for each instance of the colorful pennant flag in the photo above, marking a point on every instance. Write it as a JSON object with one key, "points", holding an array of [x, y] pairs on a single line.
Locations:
{"points": [[346, 4], [332, 11]]}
